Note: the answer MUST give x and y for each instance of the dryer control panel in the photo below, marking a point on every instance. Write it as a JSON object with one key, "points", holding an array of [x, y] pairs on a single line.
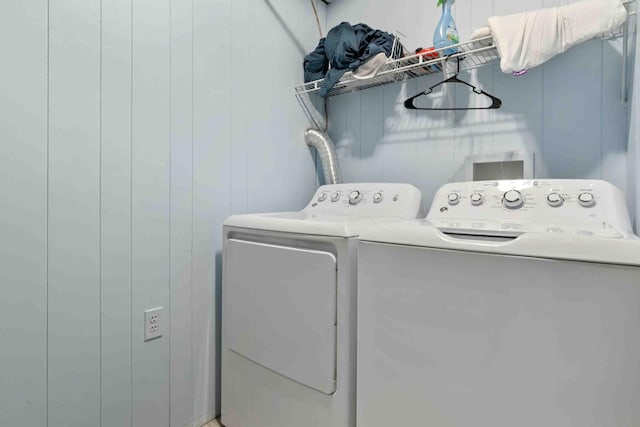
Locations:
{"points": [[581, 207], [367, 199]]}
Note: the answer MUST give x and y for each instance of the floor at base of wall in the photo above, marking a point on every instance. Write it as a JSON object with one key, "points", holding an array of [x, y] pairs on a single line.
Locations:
{"points": [[213, 423]]}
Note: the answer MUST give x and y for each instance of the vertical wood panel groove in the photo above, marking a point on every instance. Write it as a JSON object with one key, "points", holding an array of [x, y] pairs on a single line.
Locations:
{"points": [[100, 413], [131, 203], [48, 123], [193, 111], [169, 264], [193, 115]]}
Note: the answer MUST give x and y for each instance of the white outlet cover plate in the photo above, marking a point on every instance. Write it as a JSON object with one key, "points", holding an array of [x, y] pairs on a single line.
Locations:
{"points": [[153, 323]]}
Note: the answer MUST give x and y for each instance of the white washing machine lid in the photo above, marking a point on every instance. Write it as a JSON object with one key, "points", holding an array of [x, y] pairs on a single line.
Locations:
{"points": [[341, 210], [573, 247], [302, 222]]}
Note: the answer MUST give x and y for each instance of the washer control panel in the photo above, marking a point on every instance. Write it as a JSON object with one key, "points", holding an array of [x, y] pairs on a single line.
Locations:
{"points": [[367, 199], [583, 207]]}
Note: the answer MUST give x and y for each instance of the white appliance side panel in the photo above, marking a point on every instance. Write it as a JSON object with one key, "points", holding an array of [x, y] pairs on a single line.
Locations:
{"points": [[280, 310], [463, 339]]}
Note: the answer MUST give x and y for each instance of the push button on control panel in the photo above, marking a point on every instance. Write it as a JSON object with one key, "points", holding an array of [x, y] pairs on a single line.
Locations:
{"points": [[586, 200], [513, 199], [554, 200], [477, 199], [355, 197], [454, 199]]}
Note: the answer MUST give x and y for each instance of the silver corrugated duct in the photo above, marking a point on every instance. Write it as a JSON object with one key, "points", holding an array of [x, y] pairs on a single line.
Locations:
{"points": [[328, 156]]}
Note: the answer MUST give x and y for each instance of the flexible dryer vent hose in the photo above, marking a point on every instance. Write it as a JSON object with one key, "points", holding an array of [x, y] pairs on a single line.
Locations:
{"points": [[328, 156]]}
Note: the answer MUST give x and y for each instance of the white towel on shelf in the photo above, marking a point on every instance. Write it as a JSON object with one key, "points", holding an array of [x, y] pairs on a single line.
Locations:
{"points": [[370, 67], [525, 40]]}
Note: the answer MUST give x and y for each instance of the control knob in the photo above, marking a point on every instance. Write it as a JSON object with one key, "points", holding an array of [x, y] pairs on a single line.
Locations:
{"points": [[453, 198], [355, 197], [586, 200], [335, 197], [555, 200], [477, 199], [378, 197], [322, 196], [513, 199]]}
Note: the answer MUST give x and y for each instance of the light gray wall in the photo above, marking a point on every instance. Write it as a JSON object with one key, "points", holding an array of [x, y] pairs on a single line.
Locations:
{"points": [[634, 135], [635, 119], [568, 112], [129, 130]]}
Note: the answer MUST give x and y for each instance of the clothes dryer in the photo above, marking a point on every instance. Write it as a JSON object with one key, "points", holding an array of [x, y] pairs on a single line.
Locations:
{"points": [[514, 303], [289, 300]]}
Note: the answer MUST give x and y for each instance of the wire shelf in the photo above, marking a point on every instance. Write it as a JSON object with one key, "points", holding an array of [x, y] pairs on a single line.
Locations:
{"points": [[469, 55], [472, 54]]}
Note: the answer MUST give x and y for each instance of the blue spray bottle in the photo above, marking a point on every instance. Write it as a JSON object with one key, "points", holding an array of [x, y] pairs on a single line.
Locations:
{"points": [[446, 33]]}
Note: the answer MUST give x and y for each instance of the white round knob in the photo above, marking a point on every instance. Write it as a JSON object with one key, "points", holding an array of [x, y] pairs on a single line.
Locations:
{"points": [[586, 200], [513, 199], [335, 197], [453, 198], [355, 197], [554, 200], [477, 199], [378, 197], [322, 196]]}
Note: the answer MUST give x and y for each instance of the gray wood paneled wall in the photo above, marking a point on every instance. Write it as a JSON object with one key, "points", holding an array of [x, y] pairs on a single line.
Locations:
{"points": [[634, 136], [129, 130]]}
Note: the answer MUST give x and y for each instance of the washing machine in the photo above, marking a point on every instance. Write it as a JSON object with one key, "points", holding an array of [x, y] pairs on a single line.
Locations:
{"points": [[514, 303], [289, 301]]}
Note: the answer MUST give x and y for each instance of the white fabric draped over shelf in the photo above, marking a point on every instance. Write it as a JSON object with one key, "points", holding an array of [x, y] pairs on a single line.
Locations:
{"points": [[526, 40]]}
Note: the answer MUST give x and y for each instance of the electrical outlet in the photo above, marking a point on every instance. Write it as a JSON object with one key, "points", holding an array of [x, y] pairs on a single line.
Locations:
{"points": [[152, 323]]}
